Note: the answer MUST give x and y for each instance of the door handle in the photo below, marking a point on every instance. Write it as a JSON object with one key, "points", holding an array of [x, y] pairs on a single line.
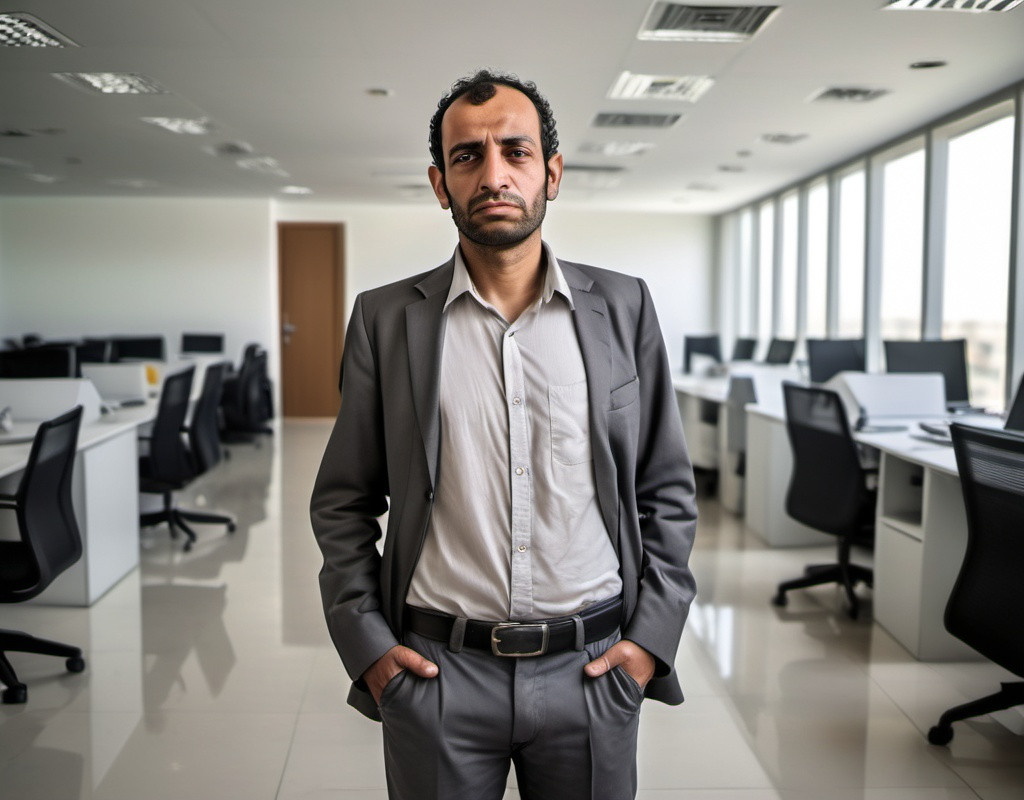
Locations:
{"points": [[287, 329]]}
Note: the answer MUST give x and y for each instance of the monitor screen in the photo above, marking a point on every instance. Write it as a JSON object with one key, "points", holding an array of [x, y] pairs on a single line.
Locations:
{"points": [[132, 348], [828, 357], [780, 351], [948, 357], [202, 343], [710, 346], [743, 349], [1015, 418]]}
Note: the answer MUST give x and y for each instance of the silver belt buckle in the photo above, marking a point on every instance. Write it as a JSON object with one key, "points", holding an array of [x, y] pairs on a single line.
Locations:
{"points": [[520, 627]]}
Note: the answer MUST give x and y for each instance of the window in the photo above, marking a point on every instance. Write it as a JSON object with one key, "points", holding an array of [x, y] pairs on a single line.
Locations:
{"points": [[817, 261], [977, 254], [765, 270], [902, 246], [786, 324], [851, 255], [745, 282]]}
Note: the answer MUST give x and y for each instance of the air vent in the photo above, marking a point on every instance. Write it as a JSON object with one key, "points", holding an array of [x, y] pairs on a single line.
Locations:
{"points": [[111, 82], [616, 120], [616, 148], [973, 6], [230, 149], [14, 133], [675, 22], [630, 86], [847, 94], [24, 30], [783, 138]]}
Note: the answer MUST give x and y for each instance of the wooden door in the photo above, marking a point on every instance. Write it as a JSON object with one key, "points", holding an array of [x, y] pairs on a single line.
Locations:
{"points": [[311, 283]]}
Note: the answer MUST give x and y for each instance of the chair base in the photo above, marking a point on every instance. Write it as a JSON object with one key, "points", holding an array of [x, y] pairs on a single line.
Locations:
{"points": [[18, 642], [178, 519], [846, 575], [1012, 694]]}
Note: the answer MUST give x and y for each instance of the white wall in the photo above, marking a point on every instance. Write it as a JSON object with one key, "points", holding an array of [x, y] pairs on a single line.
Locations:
{"points": [[94, 266], [672, 252]]}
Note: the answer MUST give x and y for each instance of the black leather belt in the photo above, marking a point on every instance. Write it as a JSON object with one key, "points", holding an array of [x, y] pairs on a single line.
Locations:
{"points": [[520, 639]]}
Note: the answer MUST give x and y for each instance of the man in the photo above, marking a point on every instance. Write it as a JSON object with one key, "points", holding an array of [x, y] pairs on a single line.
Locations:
{"points": [[518, 413]]}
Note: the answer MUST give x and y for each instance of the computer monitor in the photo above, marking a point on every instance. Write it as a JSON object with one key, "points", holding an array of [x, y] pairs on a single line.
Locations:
{"points": [[1015, 418], [135, 348], [38, 362], [828, 357], [710, 346], [780, 351], [948, 357], [202, 342], [743, 349]]}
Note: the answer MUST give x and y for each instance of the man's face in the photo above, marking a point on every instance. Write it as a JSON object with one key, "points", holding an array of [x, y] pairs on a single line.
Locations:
{"points": [[496, 181]]}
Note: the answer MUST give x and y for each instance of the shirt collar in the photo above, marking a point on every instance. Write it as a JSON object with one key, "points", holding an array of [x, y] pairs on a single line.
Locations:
{"points": [[554, 280]]}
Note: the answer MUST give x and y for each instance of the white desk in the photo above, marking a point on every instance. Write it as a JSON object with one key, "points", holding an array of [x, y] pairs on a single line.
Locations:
{"points": [[703, 438], [920, 539], [105, 492]]}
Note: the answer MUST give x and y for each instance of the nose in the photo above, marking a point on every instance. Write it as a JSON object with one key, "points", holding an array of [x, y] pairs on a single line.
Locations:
{"points": [[493, 175]]}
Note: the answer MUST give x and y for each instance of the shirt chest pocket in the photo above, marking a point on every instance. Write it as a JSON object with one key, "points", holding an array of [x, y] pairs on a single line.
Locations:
{"points": [[570, 423]]}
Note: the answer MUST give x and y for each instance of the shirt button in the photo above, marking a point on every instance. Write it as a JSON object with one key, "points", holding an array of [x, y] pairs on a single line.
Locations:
{"points": [[520, 470], [511, 334], [521, 548], [516, 401]]}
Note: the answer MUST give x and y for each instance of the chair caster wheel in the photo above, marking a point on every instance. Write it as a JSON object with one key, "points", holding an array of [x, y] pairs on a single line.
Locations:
{"points": [[187, 548], [232, 527], [15, 695], [940, 735], [75, 664], [780, 600]]}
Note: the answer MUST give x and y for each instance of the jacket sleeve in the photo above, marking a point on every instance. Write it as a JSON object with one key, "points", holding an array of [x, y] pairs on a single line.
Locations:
{"points": [[349, 496], [665, 502]]}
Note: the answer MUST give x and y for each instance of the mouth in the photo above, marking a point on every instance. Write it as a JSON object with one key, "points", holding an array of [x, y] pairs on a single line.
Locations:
{"points": [[485, 205]]}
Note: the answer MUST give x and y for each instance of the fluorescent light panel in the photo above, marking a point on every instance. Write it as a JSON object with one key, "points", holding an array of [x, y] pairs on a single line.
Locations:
{"points": [[196, 127], [631, 86], [972, 6], [264, 165], [616, 148], [24, 30], [111, 82], [678, 22]]}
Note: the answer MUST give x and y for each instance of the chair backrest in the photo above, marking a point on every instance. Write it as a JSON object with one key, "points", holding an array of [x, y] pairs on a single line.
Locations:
{"points": [[828, 357], [743, 349], [1015, 416], [169, 458], [710, 346], [985, 604], [780, 351], [46, 516], [827, 489], [204, 429], [41, 361]]}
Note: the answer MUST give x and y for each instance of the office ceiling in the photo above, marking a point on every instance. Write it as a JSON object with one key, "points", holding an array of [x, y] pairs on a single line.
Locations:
{"points": [[293, 81]]}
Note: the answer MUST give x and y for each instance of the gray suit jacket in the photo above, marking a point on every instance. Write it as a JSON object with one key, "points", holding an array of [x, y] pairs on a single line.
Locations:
{"points": [[385, 445]]}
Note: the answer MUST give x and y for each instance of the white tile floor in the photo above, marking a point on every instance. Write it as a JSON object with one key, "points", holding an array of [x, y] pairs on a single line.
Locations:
{"points": [[210, 675]]}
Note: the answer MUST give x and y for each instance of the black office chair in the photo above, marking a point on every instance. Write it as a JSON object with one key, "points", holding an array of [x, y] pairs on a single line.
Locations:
{"points": [[247, 405], [828, 357], [984, 606], [50, 541], [780, 351], [828, 489], [170, 464], [709, 346], [744, 349]]}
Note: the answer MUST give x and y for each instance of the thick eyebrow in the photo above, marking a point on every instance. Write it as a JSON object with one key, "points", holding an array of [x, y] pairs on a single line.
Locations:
{"points": [[473, 147]]}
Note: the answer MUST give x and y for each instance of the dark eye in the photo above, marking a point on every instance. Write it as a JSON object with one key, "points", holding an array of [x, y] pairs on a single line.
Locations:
{"points": [[517, 153]]}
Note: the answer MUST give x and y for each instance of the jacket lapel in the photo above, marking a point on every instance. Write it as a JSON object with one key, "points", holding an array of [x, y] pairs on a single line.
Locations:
{"points": [[425, 335]]}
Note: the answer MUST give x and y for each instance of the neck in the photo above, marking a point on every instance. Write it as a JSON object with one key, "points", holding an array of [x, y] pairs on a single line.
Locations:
{"points": [[509, 278]]}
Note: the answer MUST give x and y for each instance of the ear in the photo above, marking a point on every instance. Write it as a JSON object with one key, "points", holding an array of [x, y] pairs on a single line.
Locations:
{"points": [[437, 182], [554, 175]]}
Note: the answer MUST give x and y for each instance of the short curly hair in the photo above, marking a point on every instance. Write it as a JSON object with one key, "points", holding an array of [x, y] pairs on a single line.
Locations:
{"points": [[481, 87]]}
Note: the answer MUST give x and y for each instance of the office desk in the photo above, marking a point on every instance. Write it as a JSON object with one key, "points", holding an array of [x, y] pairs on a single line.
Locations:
{"points": [[105, 492], [699, 399], [920, 539]]}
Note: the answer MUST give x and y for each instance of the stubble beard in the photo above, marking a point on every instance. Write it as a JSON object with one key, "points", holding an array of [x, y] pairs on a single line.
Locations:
{"points": [[502, 234]]}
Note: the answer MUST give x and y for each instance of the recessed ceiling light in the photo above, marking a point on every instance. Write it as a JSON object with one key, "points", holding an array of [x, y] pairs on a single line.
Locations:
{"points": [[616, 148], [626, 120], [731, 168], [13, 163], [974, 6], [264, 165], [630, 86], [24, 30], [196, 127], [847, 94], [39, 177], [296, 190], [111, 82], [743, 154], [675, 22], [133, 183], [927, 64], [783, 138], [379, 91]]}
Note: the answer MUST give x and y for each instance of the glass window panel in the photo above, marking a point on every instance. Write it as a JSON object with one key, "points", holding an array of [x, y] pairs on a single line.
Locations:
{"points": [[902, 247], [745, 293], [817, 261], [786, 327], [976, 282], [765, 270], [851, 255]]}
